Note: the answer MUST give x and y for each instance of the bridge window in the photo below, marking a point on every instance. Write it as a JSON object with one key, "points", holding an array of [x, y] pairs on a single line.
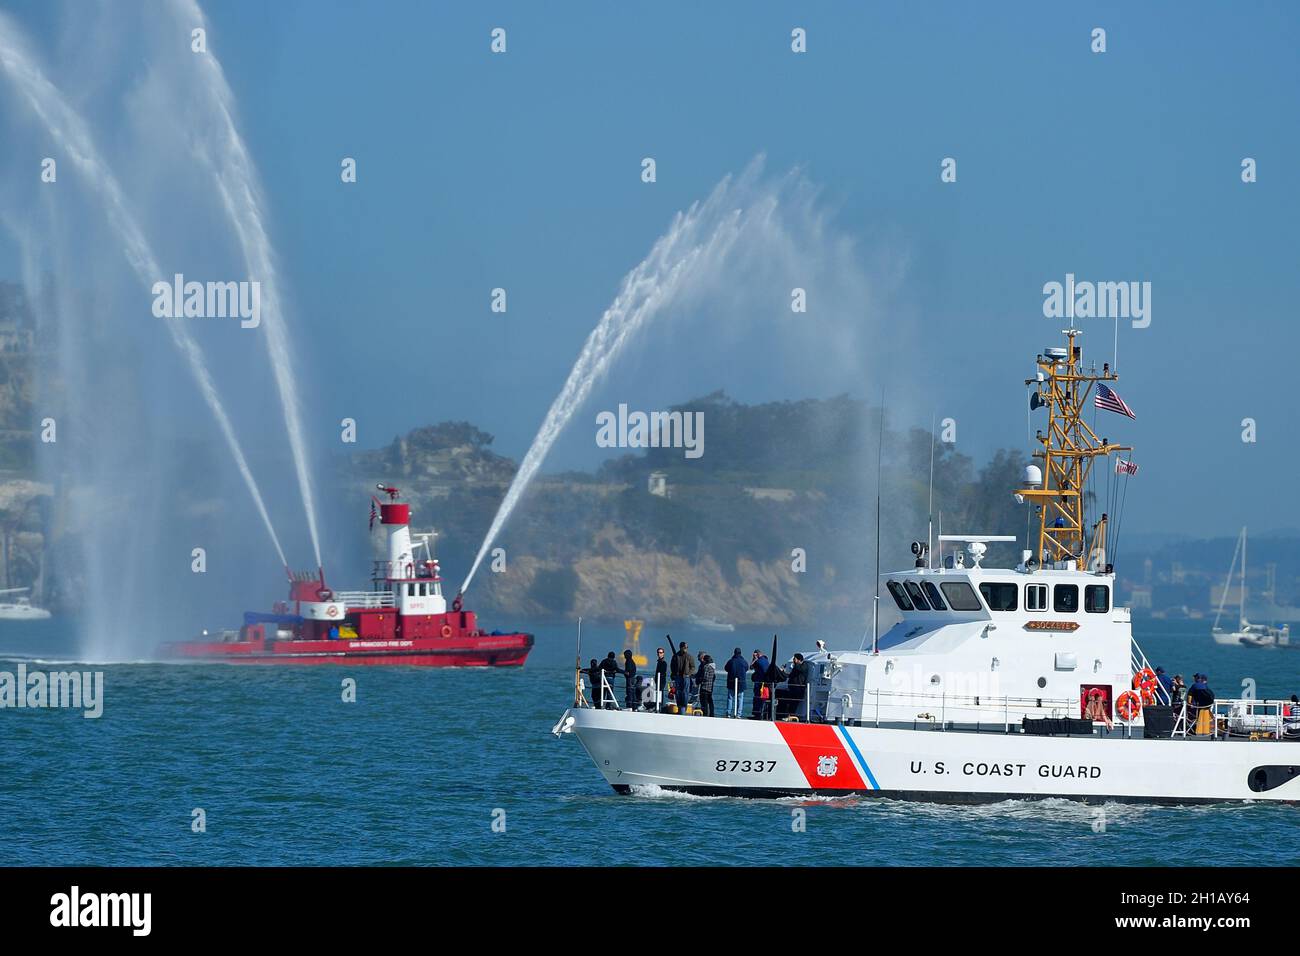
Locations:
{"points": [[1000, 595], [914, 592], [932, 593], [1035, 597], [960, 596], [1065, 598], [410, 590], [900, 596], [1096, 599]]}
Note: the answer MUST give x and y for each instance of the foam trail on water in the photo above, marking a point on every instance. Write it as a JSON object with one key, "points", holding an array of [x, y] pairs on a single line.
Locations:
{"points": [[696, 244], [70, 131], [232, 169]]}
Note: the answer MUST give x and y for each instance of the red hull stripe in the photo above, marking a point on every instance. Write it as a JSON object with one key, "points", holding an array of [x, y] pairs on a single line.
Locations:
{"points": [[826, 765]]}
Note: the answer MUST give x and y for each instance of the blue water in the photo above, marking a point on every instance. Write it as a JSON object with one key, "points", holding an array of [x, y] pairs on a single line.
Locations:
{"points": [[413, 771]]}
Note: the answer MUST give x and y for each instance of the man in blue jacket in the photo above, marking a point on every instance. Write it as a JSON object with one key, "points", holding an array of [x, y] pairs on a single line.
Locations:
{"points": [[736, 669], [1166, 683]]}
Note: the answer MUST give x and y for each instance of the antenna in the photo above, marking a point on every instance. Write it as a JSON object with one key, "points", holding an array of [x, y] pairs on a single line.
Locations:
{"points": [[929, 531], [577, 669], [1069, 448], [875, 604], [1114, 358]]}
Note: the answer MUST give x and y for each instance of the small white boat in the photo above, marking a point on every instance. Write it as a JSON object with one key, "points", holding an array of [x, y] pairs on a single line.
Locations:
{"points": [[20, 608], [1264, 635], [709, 624]]}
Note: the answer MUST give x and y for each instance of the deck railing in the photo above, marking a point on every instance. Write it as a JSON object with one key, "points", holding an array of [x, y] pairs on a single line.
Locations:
{"points": [[1054, 706], [1138, 663], [1237, 717], [365, 598]]}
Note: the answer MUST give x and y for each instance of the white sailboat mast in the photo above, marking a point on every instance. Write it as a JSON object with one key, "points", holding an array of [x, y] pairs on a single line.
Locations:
{"points": [[1241, 593]]}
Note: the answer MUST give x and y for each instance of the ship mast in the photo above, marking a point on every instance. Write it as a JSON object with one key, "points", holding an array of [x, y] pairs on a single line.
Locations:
{"points": [[1068, 449]]}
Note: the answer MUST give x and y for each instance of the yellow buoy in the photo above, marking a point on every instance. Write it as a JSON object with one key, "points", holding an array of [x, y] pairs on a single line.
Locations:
{"points": [[633, 642]]}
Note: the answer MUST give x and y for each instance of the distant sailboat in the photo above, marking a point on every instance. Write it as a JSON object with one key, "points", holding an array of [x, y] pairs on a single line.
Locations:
{"points": [[1246, 633], [20, 608]]}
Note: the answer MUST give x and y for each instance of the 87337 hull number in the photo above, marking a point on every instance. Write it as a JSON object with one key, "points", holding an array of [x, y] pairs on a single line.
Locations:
{"points": [[745, 766]]}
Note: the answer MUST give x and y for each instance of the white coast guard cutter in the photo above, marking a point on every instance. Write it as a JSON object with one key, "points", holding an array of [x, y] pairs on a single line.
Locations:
{"points": [[996, 683]]}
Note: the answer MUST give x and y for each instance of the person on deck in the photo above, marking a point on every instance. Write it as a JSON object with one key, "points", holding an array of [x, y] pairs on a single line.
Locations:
{"points": [[1177, 694], [628, 670], [707, 675], [759, 667], [736, 669], [593, 675], [661, 678], [1167, 683], [683, 670], [1200, 697], [796, 687]]}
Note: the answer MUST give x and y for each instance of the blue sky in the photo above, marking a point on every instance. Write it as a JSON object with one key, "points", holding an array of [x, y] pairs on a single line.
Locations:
{"points": [[522, 170]]}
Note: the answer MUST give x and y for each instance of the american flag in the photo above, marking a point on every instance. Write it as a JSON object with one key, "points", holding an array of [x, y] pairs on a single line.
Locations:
{"points": [[373, 514], [1107, 399], [1123, 467]]}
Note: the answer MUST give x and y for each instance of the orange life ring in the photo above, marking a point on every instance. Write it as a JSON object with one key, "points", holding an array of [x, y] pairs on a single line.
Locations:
{"points": [[446, 630], [1145, 681], [1128, 705]]}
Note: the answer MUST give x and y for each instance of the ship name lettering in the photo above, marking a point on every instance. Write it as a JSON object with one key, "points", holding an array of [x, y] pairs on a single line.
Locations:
{"points": [[973, 769], [1065, 770]]}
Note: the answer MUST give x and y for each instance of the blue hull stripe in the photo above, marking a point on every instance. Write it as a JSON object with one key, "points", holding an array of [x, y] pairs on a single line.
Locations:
{"points": [[843, 732]]}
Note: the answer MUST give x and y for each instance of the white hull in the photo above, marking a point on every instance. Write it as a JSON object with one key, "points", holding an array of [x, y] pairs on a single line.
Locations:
{"points": [[1257, 637], [22, 613], [1227, 637], [708, 624], [761, 758]]}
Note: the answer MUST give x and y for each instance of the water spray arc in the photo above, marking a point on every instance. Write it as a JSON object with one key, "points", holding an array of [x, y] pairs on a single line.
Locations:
{"points": [[236, 181], [69, 130], [695, 245]]}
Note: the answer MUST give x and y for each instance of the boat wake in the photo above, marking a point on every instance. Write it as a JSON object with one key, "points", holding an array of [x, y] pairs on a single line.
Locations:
{"points": [[652, 791]]}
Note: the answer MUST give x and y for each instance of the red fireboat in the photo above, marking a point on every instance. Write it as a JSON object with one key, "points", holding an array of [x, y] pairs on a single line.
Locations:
{"points": [[403, 619]]}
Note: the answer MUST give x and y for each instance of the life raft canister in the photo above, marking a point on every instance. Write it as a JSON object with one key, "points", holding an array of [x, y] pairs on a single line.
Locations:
{"points": [[446, 630], [1128, 705], [1144, 681]]}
